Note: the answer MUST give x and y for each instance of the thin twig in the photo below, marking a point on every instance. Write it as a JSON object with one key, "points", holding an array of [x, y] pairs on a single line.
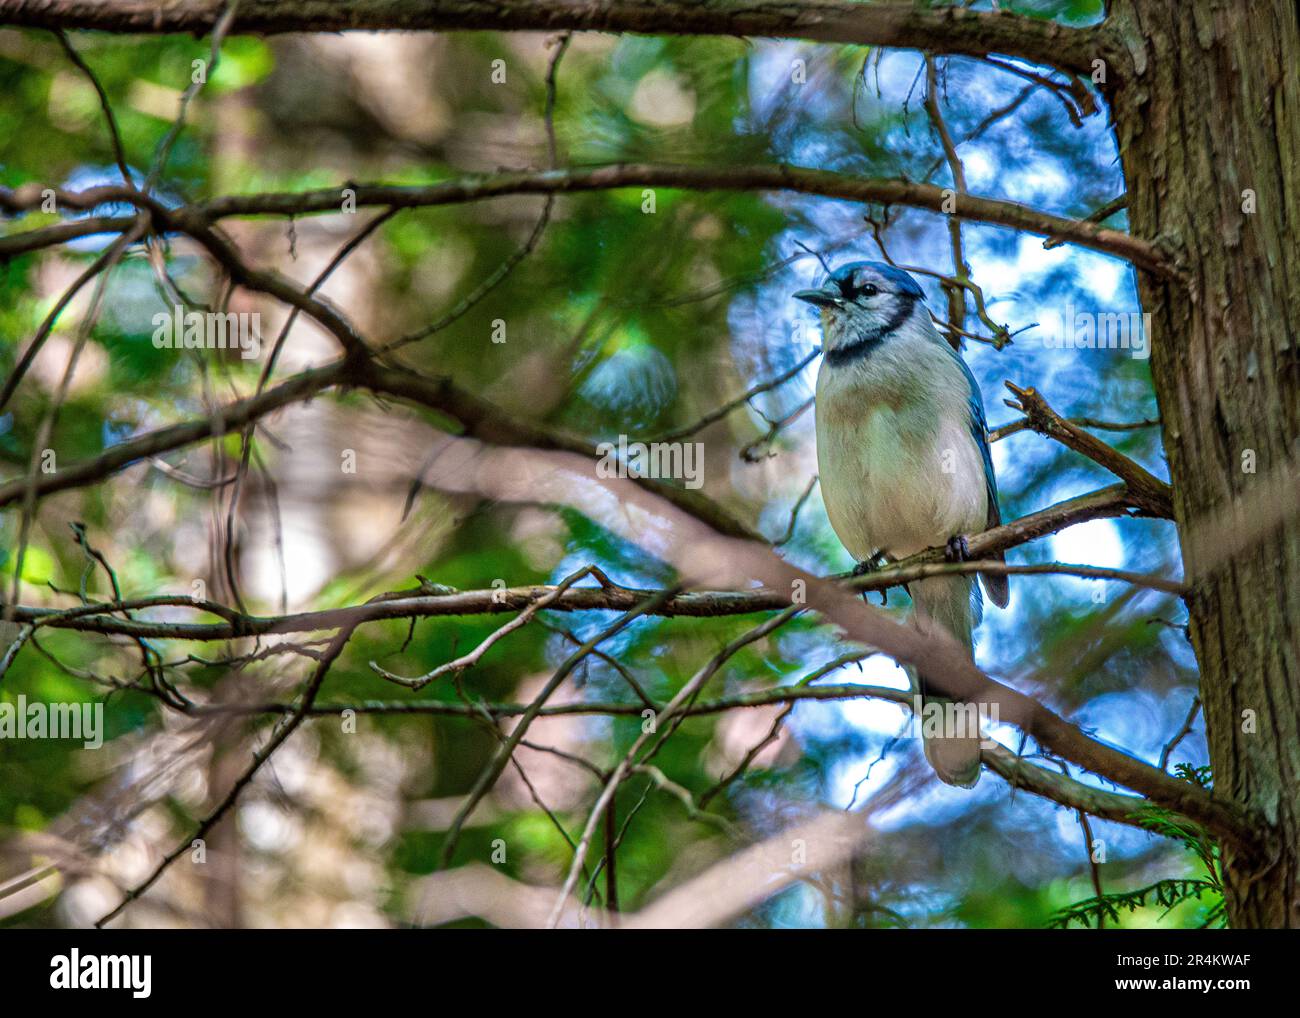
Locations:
{"points": [[278, 737], [794, 513], [1172, 744], [717, 414], [115, 136], [467, 661], [692, 686], [219, 31], [1147, 489], [489, 775]]}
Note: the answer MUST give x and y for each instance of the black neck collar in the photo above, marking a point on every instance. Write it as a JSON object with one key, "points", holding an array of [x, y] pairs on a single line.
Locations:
{"points": [[870, 340], [858, 350]]}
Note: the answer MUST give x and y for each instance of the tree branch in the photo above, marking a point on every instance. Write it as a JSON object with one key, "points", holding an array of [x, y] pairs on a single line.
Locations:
{"points": [[686, 430], [278, 737], [944, 29], [1147, 490], [1020, 773], [1015, 770], [193, 219], [479, 418], [99, 618]]}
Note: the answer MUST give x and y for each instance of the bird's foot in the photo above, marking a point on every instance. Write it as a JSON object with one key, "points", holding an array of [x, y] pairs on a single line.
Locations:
{"points": [[870, 566], [957, 550]]}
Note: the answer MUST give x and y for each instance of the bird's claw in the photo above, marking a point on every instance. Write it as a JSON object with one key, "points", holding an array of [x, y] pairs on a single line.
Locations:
{"points": [[957, 549], [870, 566]]}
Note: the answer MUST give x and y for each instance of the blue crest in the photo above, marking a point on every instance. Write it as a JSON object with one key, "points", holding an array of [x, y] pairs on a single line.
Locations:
{"points": [[898, 280]]}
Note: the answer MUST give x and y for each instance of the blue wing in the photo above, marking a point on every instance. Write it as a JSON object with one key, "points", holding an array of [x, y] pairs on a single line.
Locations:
{"points": [[997, 586]]}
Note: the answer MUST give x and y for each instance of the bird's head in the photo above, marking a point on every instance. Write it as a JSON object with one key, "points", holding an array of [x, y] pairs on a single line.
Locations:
{"points": [[863, 304]]}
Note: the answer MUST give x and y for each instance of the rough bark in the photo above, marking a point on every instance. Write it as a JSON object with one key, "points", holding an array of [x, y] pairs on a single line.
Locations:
{"points": [[1205, 104]]}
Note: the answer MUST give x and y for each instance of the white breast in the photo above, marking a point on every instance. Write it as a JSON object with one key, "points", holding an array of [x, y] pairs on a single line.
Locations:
{"points": [[899, 469]]}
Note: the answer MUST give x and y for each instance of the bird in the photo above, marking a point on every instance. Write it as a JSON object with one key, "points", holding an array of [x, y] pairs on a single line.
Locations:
{"points": [[903, 458]]}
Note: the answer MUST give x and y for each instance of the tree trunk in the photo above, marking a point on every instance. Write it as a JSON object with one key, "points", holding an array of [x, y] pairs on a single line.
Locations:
{"points": [[1206, 103]]}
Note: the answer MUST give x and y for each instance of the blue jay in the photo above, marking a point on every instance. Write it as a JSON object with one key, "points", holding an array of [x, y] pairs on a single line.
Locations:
{"points": [[903, 453]]}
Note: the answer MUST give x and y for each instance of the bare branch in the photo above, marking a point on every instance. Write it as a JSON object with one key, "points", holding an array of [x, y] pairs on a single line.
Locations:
{"points": [[945, 29], [794, 513], [108, 257], [466, 661], [717, 414], [115, 136], [59, 233], [504, 754], [193, 219], [1099, 215], [220, 28], [1022, 424], [624, 766], [751, 454], [1181, 734], [1020, 773], [277, 739], [608, 597], [1148, 490]]}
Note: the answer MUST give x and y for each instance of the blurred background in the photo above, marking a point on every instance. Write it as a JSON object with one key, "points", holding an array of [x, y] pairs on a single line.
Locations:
{"points": [[618, 321]]}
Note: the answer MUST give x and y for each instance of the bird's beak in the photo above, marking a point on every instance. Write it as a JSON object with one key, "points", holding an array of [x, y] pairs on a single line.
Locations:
{"points": [[825, 298]]}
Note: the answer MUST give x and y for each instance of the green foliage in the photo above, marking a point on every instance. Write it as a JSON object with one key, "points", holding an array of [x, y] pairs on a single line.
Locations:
{"points": [[1166, 894], [620, 322], [1170, 892]]}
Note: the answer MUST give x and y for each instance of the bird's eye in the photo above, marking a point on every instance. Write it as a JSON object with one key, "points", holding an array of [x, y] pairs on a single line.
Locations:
{"points": [[867, 290]]}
